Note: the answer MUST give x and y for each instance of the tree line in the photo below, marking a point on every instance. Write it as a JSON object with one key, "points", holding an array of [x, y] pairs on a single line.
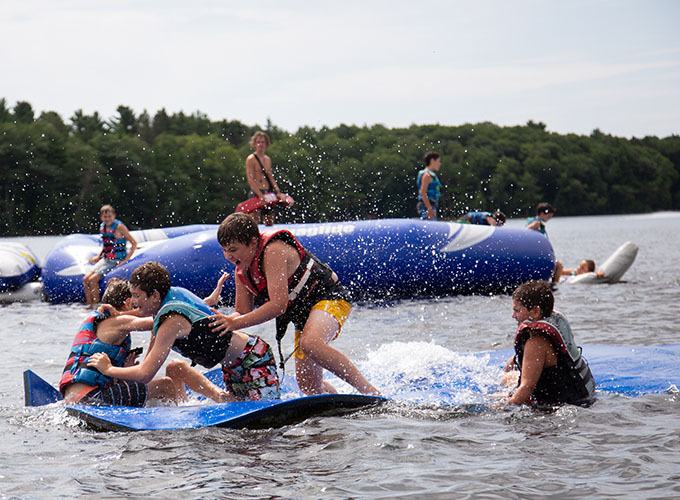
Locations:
{"points": [[175, 169]]}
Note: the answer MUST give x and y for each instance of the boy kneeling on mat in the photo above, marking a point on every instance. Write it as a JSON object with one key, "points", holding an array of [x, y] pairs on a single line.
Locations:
{"points": [[288, 283], [551, 367], [181, 323], [101, 333]]}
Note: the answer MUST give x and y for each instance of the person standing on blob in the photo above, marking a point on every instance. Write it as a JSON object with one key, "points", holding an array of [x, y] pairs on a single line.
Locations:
{"points": [[429, 187], [260, 177]]}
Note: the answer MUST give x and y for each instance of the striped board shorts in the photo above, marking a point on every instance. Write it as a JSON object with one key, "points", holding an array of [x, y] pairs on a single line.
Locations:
{"points": [[122, 393]]}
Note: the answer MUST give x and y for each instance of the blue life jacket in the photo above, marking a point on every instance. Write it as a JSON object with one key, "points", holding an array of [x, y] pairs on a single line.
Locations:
{"points": [[477, 218], [85, 345], [541, 229], [433, 188], [114, 248], [202, 346]]}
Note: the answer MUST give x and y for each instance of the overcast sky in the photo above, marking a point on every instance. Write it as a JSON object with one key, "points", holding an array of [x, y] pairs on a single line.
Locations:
{"points": [[574, 65]]}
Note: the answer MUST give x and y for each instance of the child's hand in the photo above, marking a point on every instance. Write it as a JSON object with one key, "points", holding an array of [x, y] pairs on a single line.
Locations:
{"points": [[107, 308], [94, 259], [214, 298], [222, 323], [100, 361]]}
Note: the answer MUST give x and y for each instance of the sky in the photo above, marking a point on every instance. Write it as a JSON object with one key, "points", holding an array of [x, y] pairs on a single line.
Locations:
{"points": [[574, 65]]}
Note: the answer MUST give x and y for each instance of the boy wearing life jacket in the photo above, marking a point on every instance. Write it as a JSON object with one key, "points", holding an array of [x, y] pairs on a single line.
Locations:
{"points": [[544, 212], [496, 218], [101, 333], [429, 187], [181, 323], [113, 253], [551, 367], [290, 284]]}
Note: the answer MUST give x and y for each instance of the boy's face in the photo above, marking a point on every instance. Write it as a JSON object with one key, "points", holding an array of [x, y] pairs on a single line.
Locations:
{"points": [[107, 217], [545, 217], [582, 267], [521, 313], [260, 144], [239, 254], [147, 304]]}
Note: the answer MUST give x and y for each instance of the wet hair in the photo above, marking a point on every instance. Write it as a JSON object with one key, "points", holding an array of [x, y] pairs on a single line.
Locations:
{"points": [[590, 264], [106, 208], [116, 293], [535, 293], [544, 208], [499, 216], [430, 156], [151, 276], [258, 134], [238, 227]]}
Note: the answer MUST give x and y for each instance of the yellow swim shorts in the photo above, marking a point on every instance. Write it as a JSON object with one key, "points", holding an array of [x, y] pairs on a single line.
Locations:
{"points": [[339, 309]]}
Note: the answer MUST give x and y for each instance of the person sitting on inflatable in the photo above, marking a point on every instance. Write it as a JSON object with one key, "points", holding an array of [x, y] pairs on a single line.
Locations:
{"points": [[585, 266], [496, 218], [115, 236], [550, 367], [181, 323], [101, 333], [288, 283]]}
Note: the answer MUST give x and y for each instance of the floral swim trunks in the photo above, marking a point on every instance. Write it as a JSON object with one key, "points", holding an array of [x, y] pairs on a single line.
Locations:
{"points": [[253, 375]]}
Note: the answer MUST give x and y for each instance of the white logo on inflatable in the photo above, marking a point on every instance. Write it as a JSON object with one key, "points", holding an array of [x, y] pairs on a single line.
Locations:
{"points": [[466, 235], [323, 229]]}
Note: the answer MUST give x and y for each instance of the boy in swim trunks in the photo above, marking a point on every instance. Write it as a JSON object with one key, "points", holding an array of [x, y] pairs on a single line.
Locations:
{"points": [[260, 177], [115, 236], [181, 323], [100, 332], [288, 283]]}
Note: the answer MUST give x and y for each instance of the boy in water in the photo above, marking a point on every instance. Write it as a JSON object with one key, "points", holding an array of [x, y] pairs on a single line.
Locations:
{"points": [[113, 253], [181, 323], [289, 284], [544, 212], [585, 266], [551, 367], [101, 333]]}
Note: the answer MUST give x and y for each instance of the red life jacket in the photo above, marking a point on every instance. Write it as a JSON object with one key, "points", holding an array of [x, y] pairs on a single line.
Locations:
{"points": [[256, 282]]}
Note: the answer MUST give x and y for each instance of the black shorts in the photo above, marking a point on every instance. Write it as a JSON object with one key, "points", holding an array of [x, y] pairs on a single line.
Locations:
{"points": [[121, 393]]}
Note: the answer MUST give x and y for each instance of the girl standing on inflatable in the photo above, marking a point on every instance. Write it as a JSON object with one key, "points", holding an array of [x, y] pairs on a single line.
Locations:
{"points": [[429, 187]]}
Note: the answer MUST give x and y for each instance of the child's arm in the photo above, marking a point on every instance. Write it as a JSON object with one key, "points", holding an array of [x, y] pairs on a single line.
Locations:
{"points": [[533, 361], [133, 242], [276, 260], [214, 298], [158, 352]]}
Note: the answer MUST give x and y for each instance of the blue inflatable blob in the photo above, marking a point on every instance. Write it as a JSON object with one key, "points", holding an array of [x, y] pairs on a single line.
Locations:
{"points": [[378, 258]]}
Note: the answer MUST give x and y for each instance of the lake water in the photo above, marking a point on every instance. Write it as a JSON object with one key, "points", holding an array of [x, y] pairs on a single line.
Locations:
{"points": [[621, 447]]}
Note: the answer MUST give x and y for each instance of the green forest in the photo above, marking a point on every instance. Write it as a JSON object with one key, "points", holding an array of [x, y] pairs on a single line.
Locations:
{"points": [[175, 169]]}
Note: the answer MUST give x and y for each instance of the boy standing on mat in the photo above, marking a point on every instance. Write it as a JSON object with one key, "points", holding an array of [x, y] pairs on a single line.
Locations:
{"points": [[260, 177], [181, 323], [101, 333], [288, 283], [113, 253]]}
